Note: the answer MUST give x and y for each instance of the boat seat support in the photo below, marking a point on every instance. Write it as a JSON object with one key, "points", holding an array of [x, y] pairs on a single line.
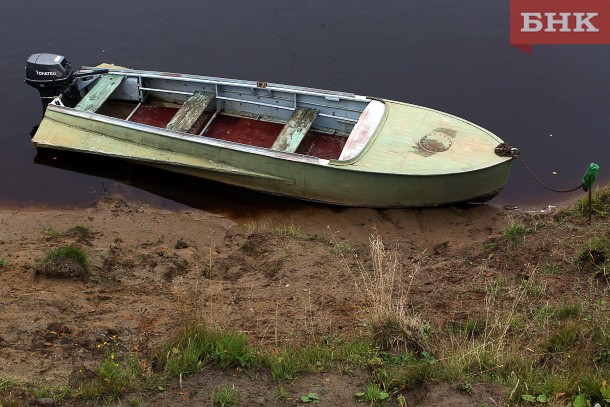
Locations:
{"points": [[100, 93], [295, 129], [191, 111]]}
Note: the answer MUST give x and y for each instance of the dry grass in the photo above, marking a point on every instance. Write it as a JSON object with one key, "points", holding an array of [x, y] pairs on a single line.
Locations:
{"points": [[394, 326]]}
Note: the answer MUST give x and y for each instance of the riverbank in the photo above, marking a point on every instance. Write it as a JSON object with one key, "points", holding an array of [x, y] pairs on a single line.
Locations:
{"points": [[479, 285]]}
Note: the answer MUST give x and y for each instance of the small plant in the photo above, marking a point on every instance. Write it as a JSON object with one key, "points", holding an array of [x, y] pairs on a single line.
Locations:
{"points": [[542, 398], [2, 263], [553, 268], [78, 230], [282, 393], [567, 311], [285, 366], [564, 338], [373, 394], [516, 233], [65, 262], [310, 398], [467, 387], [51, 234], [600, 204], [226, 396], [290, 230], [113, 378], [594, 251]]}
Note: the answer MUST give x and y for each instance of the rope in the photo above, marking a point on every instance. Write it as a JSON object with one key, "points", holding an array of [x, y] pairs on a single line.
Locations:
{"points": [[562, 191]]}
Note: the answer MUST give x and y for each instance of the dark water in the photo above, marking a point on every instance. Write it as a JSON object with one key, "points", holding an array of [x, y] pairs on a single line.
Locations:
{"points": [[448, 55]]}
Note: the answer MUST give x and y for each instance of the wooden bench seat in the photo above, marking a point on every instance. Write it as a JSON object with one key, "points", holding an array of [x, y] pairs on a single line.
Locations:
{"points": [[295, 129], [100, 93], [190, 112]]}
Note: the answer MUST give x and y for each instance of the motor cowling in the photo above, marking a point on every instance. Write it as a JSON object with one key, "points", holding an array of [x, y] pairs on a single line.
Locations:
{"points": [[51, 74]]}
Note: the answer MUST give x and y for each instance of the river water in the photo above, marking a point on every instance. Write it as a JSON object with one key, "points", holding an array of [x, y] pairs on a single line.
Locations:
{"points": [[447, 55]]}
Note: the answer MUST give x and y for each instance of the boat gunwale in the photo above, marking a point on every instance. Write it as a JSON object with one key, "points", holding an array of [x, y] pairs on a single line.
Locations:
{"points": [[233, 82]]}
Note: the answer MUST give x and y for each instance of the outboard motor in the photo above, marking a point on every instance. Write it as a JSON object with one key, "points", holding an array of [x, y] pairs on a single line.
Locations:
{"points": [[52, 75]]}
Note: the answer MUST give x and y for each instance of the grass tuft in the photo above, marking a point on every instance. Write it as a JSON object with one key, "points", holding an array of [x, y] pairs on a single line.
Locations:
{"points": [[69, 252], [226, 396], [394, 327], [516, 233], [113, 378], [594, 251], [198, 346]]}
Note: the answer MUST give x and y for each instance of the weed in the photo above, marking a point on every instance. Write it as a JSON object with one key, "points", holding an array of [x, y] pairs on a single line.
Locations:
{"points": [[286, 364], [594, 251], [600, 203], [113, 378], [344, 247], [373, 394], [78, 230], [199, 345], [552, 268], [497, 287], [290, 230], [282, 393], [226, 396], [564, 338], [567, 311], [284, 367], [51, 234], [310, 398], [54, 393], [2, 263], [532, 288], [516, 232]]}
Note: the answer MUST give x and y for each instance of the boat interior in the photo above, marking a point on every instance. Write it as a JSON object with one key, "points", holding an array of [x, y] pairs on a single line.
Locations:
{"points": [[308, 122]]}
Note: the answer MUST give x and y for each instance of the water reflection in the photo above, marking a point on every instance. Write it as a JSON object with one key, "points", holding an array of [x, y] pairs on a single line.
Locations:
{"points": [[178, 191]]}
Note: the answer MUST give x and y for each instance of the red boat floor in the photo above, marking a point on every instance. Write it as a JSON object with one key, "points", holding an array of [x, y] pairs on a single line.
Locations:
{"points": [[322, 145], [241, 130], [157, 116]]}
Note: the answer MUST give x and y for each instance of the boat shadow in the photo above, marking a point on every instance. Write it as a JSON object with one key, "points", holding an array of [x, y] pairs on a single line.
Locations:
{"points": [[178, 190]]}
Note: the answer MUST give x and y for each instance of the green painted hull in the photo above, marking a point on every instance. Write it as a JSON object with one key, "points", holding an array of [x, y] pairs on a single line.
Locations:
{"points": [[349, 183]]}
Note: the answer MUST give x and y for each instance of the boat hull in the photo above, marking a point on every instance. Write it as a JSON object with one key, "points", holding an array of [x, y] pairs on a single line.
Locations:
{"points": [[307, 178]]}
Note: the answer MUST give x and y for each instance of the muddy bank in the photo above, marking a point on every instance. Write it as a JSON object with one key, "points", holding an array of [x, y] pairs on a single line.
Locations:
{"points": [[283, 278]]}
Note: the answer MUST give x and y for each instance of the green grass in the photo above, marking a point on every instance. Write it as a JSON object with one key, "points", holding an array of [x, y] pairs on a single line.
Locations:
{"points": [[290, 230], [78, 230], [198, 346], [600, 204], [286, 364], [69, 252], [113, 378], [373, 394], [516, 233], [51, 233], [552, 268], [226, 396], [57, 394], [568, 311], [594, 250]]}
